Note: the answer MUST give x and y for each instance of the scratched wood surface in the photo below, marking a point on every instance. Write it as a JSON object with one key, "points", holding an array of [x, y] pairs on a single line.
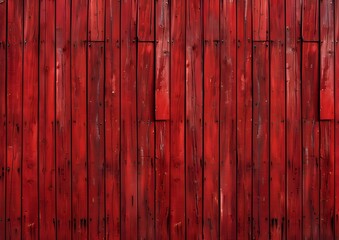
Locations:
{"points": [[181, 119]]}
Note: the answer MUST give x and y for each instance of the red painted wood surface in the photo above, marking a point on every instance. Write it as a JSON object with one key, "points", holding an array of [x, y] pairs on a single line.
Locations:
{"points": [[192, 119]]}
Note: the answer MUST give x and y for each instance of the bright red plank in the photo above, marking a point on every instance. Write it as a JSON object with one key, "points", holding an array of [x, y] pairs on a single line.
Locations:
{"points": [[96, 146], [146, 20], [310, 20], [177, 113], [79, 119], [310, 98], [47, 190], [261, 109], [260, 20], [244, 120], [128, 120], [63, 119], [162, 72], [96, 20], [112, 119], [194, 116]]}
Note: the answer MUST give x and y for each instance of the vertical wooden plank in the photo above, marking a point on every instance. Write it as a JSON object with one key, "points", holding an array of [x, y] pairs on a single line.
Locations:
{"points": [[336, 121], [244, 120], [96, 20], [146, 180], [47, 204], [228, 117], [79, 119], [128, 120], [293, 120], [194, 116], [260, 20], [30, 185], [96, 145], [177, 113], [162, 83], [326, 60], [63, 119], [146, 20], [211, 119], [310, 98], [14, 118], [3, 115], [261, 169], [310, 20], [162, 163], [112, 119]]}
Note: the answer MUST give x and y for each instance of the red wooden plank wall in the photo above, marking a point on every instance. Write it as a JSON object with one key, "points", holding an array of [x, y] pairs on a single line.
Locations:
{"points": [[169, 119]]}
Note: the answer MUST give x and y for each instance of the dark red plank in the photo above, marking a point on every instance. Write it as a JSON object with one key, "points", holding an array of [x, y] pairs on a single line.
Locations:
{"points": [[63, 119], [162, 81], [146, 20], [310, 98], [112, 119], [177, 127], [96, 20], [261, 109], [30, 206], [47, 203], [293, 121], [194, 116], [96, 144], [128, 120], [260, 20], [79, 119], [336, 121], [310, 20], [244, 120]]}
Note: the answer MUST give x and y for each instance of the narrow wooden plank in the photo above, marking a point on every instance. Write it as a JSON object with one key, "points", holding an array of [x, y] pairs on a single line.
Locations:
{"points": [[310, 20], [244, 120], [128, 120], [293, 121], [336, 121], [326, 179], [327, 60], [260, 20], [30, 207], [228, 118], [162, 164], [162, 83], [146, 178], [63, 119], [79, 119], [47, 204], [310, 98], [96, 20], [261, 170], [177, 113], [3, 116], [194, 123], [211, 119], [112, 119], [146, 20], [96, 144]]}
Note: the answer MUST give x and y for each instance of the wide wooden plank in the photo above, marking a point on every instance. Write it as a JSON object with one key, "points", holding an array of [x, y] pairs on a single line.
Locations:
{"points": [[128, 120], [146, 137], [194, 116], [177, 128], [79, 119], [96, 146], [3, 116], [293, 121], [244, 120], [112, 119], [260, 14], [228, 117], [47, 124], [310, 120], [261, 110], [310, 20], [326, 60], [96, 20], [146, 20], [162, 72], [63, 119]]}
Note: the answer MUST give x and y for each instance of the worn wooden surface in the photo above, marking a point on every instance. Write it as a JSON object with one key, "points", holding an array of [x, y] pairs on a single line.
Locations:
{"points": [[193, 119]]}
